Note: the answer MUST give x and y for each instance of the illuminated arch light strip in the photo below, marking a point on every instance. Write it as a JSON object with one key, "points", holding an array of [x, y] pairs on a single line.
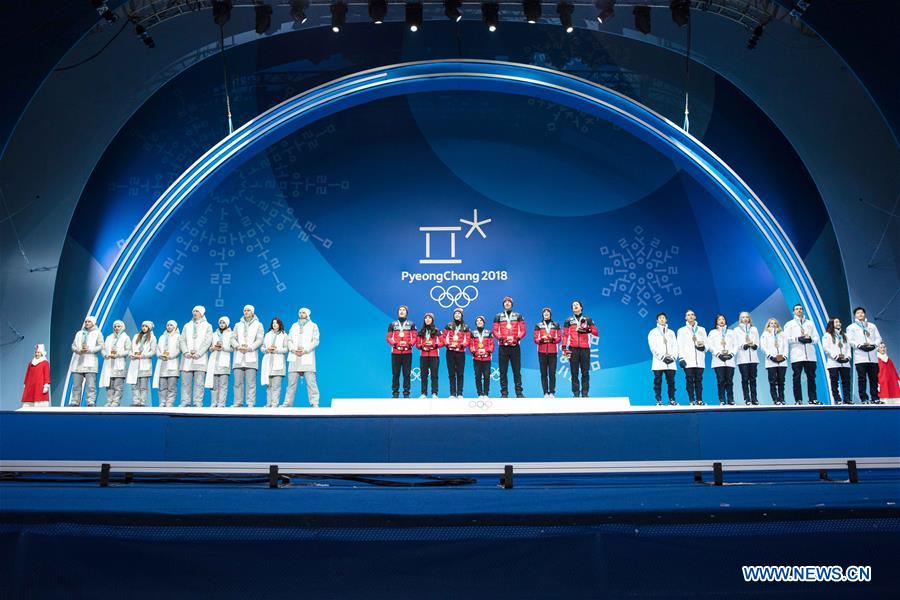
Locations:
{"points": [[503, 77]]}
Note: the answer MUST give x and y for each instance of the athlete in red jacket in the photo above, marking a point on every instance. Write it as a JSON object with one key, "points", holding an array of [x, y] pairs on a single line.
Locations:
{"points": [[429, 340], [578, 330], [456, 339], [401, 335], [481, 345], [509, 328], [547, 335]]}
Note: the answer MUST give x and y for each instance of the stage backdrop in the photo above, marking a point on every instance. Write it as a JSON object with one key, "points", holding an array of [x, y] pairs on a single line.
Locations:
{"points": [[336, 217]]}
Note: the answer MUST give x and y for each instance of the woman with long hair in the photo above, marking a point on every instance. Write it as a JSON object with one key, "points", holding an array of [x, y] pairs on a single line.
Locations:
{"points": [[429, 342], [456, 340], [143, 349], [274, 366], [838, 350]]}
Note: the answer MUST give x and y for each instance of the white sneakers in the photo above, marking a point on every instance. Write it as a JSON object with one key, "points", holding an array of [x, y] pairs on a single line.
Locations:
{"points": [[433, 396]]}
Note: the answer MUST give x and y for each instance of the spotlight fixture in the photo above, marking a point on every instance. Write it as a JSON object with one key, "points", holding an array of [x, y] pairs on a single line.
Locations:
{"points": [[338, 16], [451, 9], [606, 10], [414, 15], [221, 10], [298, 10], [377, 11], [141, 32], [103, 10], [754, 39], [263, 17], [532, 11], [681, 12], [642, 19], [565, 10], [490, 12]]}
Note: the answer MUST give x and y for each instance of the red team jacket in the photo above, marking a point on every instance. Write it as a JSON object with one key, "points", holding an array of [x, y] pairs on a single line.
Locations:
{"points": [[572, 337], [517, 330], [401, 344], [436, 341], [461, 343], [547, 345], [481, 353]]}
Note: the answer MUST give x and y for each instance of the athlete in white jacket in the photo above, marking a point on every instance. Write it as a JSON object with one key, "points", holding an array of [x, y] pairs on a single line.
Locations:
{"points": [[303, 340], [774, 346], [837, 352], [143, 349], [196, 337], [274, 366], [664, 348], [747, 357], [865, 339], [723, 346], [116, 349], [802, 339], [248, 337], [692, 356], [165, 377], [219, 368], [85, 365]]}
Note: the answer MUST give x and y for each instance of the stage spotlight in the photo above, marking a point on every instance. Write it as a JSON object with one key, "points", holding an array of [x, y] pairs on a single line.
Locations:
{"points": [[532, 10], [377, 11], [681, 11], [298, 10], [102, 9], [263, 17], [414, 15], [338, 16], [141, 32], [605, 10], [490, 12], [565, 10], [754, 39], [221, 10], [642, 19], [451, 9]]}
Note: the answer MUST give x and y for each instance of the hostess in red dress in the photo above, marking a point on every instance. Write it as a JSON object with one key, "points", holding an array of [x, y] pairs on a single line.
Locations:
{"points": [[36, 376], [888, 387]]}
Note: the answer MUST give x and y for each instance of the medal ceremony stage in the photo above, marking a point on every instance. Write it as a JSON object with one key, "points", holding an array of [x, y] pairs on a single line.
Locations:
{"points": [[591, 494], [488, 197]]}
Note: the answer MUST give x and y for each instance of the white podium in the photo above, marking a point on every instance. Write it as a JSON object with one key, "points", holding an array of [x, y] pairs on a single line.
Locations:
{"points": [[476, 406]]}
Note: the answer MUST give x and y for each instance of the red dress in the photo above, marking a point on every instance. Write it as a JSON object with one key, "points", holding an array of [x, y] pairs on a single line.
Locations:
{"points": [[35, 378], [888, 387]]}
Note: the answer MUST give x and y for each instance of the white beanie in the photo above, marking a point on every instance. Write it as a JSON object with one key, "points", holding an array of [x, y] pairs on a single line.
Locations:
{"points": [[202, 309], [118, 322], [91, 318], [306, 310], [251, 307], [148, 324], [226, 319]]}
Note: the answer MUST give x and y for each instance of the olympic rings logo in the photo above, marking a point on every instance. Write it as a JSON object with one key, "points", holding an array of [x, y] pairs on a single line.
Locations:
{"points": [[483, 404], [454, 295]]}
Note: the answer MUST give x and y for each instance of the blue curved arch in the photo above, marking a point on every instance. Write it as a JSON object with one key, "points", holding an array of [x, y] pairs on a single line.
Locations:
{"points": [[478, 75]]}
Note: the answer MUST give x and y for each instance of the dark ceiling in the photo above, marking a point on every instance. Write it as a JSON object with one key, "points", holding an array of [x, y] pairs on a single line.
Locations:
{"points": [[861, 31]]}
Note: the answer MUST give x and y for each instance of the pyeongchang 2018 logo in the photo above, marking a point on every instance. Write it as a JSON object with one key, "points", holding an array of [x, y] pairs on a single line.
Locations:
{"points": [[452, 288]]}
